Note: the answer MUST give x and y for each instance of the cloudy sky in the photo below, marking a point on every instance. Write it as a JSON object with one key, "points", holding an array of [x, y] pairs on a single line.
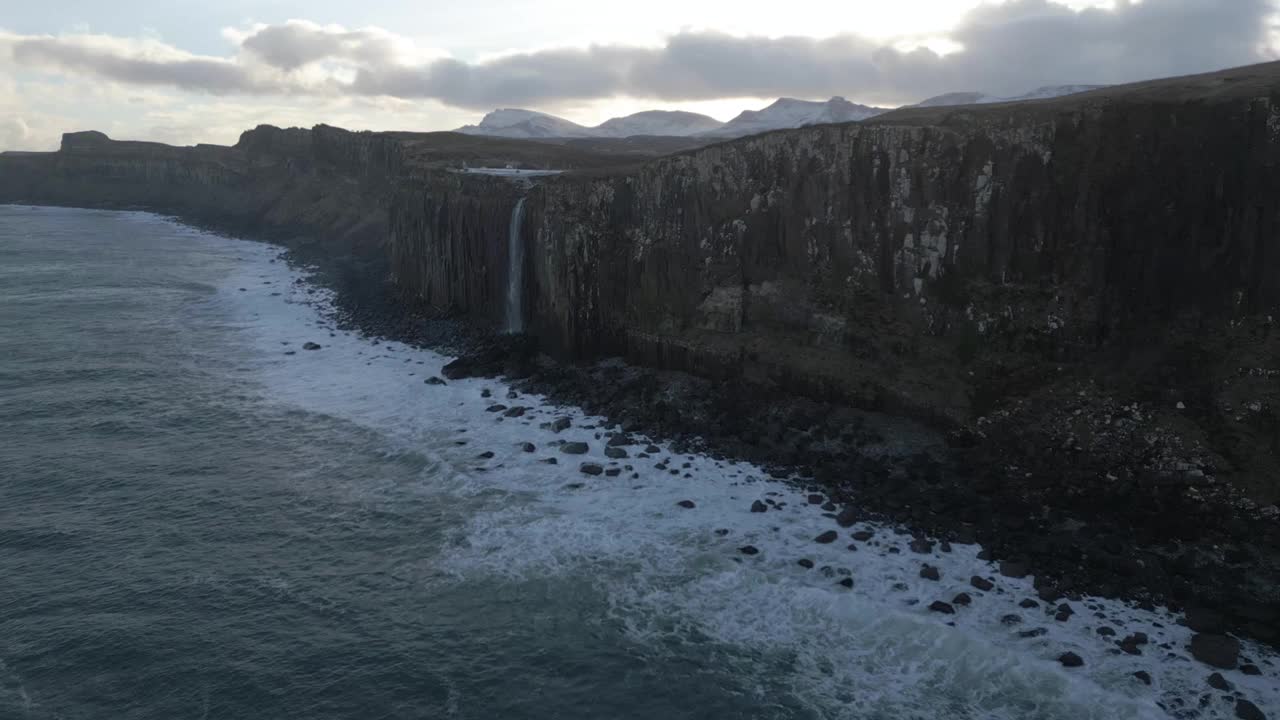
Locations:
{"points": [[182, 71]]}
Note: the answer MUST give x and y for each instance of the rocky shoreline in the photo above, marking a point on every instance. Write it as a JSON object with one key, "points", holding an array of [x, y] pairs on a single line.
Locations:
{"points": [[1097, 379], [1102, 523]]}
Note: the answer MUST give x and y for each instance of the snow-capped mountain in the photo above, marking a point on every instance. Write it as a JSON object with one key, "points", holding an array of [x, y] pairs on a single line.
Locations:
{"points": [[658, 122], [783, 113], [531, 124], [514, 123], [792, 113], [977, 98]]}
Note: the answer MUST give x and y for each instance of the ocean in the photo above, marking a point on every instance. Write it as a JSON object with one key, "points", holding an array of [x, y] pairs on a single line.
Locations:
{"points": [[199, 518]]}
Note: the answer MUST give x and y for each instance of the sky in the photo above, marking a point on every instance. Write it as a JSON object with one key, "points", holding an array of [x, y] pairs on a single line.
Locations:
{"points": [[185, 72]]}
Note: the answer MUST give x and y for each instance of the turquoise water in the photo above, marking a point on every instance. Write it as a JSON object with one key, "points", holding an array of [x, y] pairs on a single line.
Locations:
{"points": [[201, 519]]}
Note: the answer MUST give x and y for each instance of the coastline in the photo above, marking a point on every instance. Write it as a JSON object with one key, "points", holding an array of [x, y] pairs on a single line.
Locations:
{"points": [[1143, 541], [1076, 530], [890, 567]]}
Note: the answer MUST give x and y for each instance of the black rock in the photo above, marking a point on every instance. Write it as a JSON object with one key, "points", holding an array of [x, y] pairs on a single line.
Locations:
{"points": [[847, 582], [310, 346], [590, 469], [652, 449], [1105, 631], [1217, 682], [560, 424], [929, 572], [1048, 593], [1129, 646], [805, 563], [515, 412], [1013, 569], [847, 517], [1010, 619], [687, 504], [862, 535], [940, 607], [1202, 620], [433, 380], [961, 599], [549, 461], [982, 583], [613, 472], [1033, 633], [1217, 651], [1070, 659], [528, 447], [574, 448], [749, 550], [921, 546], [827, 537], [1028, 604], [1250, 669], [1246, 710], [495, 408], [615, 453], [815, 499], [619, 439], [486, 393], [759, 507], [487, 454], [1144, 676]]}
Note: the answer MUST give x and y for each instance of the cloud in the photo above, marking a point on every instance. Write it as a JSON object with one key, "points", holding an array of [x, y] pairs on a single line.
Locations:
{"points": [[297, 43], [14, 133], [137, 62], [1005, 49]]}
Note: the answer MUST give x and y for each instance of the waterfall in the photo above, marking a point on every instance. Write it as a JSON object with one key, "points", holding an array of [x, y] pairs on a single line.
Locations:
{"points": [[515, 271]]}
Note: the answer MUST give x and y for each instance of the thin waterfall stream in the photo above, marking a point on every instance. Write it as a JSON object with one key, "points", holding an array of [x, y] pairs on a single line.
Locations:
{"points": [[515, 271]]}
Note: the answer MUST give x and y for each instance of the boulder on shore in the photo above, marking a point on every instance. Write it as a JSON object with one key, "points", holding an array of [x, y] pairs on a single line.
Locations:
{"points": [[1217, 651]]}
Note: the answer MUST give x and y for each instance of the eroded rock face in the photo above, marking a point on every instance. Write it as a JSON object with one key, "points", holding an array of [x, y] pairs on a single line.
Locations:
{"points": [[883, 262]]}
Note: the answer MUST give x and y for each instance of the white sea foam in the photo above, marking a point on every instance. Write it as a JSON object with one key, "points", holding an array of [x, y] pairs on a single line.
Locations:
{"points": [[872, 651]]}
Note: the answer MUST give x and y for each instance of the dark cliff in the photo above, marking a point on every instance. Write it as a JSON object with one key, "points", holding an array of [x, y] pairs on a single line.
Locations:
{"points": [[930, 262], [295, 185]]}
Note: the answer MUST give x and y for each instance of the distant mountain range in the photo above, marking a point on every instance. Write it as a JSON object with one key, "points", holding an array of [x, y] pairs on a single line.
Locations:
{"points": [[783, 113]]}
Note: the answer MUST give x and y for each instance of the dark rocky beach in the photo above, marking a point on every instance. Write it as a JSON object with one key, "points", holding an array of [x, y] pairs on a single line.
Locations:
{"points": [[1098, 520]]}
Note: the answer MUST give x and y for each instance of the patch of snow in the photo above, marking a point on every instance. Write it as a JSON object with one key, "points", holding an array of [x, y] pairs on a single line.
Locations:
{"points": [[516, 123], [657, 122], [791, 113], [509, 172]]}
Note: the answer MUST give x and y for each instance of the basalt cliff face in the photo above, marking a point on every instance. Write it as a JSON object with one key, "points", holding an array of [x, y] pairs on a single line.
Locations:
{"points": [[932, 262], [1082, 290]]}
